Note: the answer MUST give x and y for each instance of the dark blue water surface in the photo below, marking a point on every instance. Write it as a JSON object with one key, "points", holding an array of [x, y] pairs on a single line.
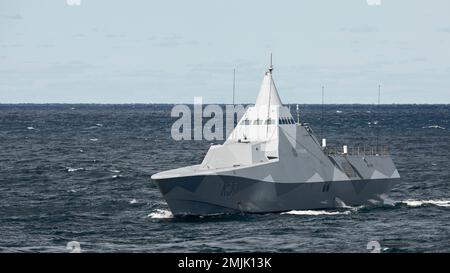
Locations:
{"points": [[82, 173]]}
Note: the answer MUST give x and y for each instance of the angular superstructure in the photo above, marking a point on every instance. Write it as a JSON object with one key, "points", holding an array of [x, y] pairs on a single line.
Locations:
{"points": [[270, 163]]}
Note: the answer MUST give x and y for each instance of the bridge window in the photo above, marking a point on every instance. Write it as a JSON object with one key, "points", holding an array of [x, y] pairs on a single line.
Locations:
{"points": [[269, 121]]}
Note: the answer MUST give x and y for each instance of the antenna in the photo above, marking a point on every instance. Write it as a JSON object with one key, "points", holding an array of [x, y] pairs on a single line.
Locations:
{"points": [[298, 115], [234, 82], [271, 66], [321, 117], [324, 140], [378, 116]]}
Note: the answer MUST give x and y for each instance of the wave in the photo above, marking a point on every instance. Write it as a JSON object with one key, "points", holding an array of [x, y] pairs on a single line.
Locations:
{"points": [[342, 205], [160, 214], [134, 201], [93, 139], [419, 203], [98, 125], [315, 212], [434, 127], [69, 169]]}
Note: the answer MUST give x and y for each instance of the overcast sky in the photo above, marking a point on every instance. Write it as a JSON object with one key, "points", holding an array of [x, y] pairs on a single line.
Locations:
{"points": [[143, 51]]}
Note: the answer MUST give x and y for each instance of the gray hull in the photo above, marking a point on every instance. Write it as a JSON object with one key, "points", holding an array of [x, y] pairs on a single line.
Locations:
{"points": [[215, 194]]}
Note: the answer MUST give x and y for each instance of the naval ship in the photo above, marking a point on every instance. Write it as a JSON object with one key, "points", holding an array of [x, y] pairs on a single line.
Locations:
{"points": [[273, 163]]}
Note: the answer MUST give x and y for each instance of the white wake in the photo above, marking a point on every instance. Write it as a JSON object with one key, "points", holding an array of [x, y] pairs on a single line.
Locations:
{"points": [[160, 214], [315, 212], [418, 203]]}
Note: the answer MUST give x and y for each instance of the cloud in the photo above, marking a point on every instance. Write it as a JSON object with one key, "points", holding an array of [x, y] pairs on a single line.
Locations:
{"points": [[171, 41], [46, 46], [373, 2], [11, 45], [140, 73], [30, 71], [114, 36], [361, 29], [413, 60], [445, 29], [174, 41], [73, 2], [70, 67], [79, 35], [12, 17]]}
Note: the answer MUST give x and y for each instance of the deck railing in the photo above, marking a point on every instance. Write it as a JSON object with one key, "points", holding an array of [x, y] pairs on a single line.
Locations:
{"points": [[363, 150]]}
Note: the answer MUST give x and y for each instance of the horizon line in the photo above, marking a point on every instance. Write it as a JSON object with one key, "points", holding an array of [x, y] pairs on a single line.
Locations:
{"points": [[170, 103]]}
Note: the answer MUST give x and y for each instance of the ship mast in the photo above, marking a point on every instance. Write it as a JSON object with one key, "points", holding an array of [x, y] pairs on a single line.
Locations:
{"points": [[234, 83], [270, 95], [378, 119], [321, 115]]}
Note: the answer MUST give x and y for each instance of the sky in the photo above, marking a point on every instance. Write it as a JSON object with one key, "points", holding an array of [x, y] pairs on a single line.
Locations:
{"points": [[144, 51]]}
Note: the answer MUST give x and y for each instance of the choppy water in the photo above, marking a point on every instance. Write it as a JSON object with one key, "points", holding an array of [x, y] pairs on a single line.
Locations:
{"points": [[81, 173]]}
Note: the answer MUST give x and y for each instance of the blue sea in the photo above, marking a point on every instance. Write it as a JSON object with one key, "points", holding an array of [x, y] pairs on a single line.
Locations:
{"points": [[82, 173]]}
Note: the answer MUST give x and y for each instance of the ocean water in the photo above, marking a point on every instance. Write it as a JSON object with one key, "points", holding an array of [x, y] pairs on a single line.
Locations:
{"points": [[82, 173]]}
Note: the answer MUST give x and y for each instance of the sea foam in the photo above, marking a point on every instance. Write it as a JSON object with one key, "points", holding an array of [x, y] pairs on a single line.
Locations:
{"points": [[69, 169], [160, 214], [418, 203], [315, 212]]}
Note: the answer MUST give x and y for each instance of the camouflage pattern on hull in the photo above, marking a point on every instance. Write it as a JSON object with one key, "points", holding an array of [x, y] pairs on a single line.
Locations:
{"points": [[206, 194], [271, 163]]}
